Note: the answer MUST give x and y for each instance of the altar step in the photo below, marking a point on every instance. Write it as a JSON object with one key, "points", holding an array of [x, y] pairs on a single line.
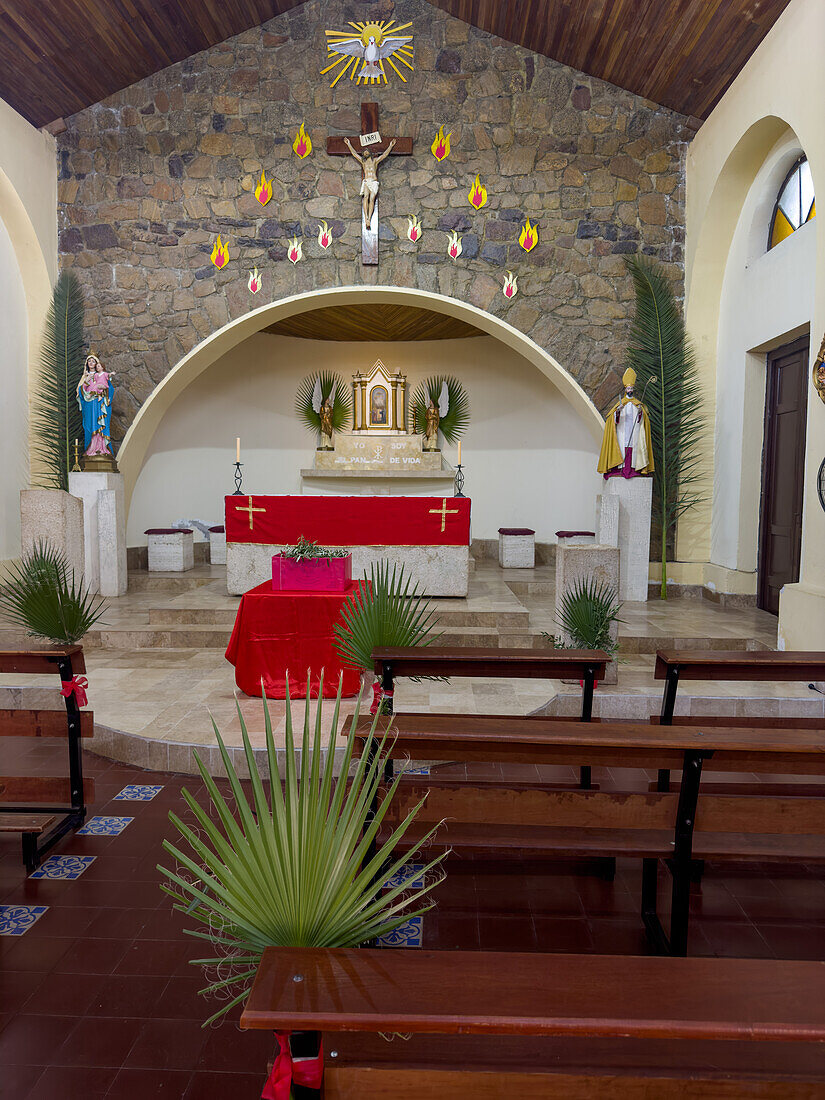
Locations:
{"points": [[511, 621]]}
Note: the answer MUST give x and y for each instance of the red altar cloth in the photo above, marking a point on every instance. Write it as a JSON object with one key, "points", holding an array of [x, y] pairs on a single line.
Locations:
{"points": [[279, 631], [349, 521]]}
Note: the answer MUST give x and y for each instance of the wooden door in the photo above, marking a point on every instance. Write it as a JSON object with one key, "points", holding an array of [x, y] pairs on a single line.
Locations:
{"points": [[783, 471]]}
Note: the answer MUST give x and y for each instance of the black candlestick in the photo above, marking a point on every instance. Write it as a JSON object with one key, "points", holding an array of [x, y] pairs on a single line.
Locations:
{"points": [[238, 480], [459, 481]]}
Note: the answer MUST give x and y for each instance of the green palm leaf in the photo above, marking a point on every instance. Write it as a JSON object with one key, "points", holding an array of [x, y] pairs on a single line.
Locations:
{"points": [[668, 382], [454, 424], [56, 418], [341, 405], [387, 611], [40, 593], [587, 612], [290, 866]]}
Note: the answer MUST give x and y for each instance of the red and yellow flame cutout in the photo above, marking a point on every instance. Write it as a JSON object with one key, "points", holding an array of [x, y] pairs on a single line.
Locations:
{"points": [[263, 192], [302, 145], [454, 246], [414, 228], [529, 236], [294, 250], [254, 283], [478, 194], [220, 254], [441, 145], [324, 236], [510, 288]]}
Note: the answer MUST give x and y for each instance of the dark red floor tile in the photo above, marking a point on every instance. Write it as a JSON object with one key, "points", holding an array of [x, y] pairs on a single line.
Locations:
{"points": [[240, 1086], [506, 933], [31, 1040], [34, 952], [118, 924], [152, 1084], [168, 1044], [17, 1081], [451, 931], [64, 994], [228, 1050], [795, 941], [165, 923], [16, 986], [734, 939], [180, 999], [135, 995], [619, 936], [73, 1083], [88, 956], [160, 956], [562, 934], [97, 1041], [68, 922]]}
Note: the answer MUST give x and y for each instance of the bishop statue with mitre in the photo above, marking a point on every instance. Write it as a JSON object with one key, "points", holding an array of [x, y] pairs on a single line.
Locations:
{"points": [[626, 447]]}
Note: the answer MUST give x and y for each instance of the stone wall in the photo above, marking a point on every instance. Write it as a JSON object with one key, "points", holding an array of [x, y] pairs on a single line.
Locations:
{"points": [[148, 178]]}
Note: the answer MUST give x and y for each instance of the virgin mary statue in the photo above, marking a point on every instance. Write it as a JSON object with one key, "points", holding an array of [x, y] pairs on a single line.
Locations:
{"points": [[94, 396]]}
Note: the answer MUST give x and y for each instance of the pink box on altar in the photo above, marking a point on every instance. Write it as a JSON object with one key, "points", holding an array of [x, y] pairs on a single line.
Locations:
{"points": [[314, 575]]}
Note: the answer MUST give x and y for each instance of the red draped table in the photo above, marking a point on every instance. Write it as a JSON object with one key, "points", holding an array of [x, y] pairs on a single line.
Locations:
{"points": [[279, 631]]}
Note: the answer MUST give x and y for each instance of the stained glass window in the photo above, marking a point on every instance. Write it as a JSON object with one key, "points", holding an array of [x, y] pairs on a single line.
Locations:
{"points": [[795, 205]]}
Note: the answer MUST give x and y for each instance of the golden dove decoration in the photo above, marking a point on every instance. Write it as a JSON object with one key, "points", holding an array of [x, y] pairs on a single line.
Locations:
{"points": [[362, 54]]}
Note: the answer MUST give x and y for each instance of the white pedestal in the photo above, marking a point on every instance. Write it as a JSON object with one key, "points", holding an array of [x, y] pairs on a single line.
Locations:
{"points": [[577, 561], [170, 551], [104, 529], [516, 548], [217, 546], [56, 517], [635, 495]]}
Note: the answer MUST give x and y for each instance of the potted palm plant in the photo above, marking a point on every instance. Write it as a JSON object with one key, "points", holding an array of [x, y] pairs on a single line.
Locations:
{"points": [[291, 862], [388, 610], [41, 594], [588, 614]]}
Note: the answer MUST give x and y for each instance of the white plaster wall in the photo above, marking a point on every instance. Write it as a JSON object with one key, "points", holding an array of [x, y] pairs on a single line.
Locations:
{"points": [[14, 420], [530, 459], [767, 300]]}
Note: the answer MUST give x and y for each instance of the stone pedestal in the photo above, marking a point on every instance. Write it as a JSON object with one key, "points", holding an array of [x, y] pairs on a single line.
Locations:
{"points": [[217, 545], [56, 517], [104, 529], [607, 520], [170, 550], [516, 547], [635, 495], [575, 562]]}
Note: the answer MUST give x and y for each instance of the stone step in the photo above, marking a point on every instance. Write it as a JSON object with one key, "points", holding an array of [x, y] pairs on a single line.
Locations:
{"points": [[635, 643], [513, 622], [532, 588], [171, 584]]}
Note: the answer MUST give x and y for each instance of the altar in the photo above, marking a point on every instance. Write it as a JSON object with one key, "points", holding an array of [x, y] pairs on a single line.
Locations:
{"points": [[429, 536]]}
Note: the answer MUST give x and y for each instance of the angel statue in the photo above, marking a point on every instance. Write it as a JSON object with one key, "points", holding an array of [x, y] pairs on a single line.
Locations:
{"points": [[433, 418], [94, 396], [324, 411]]}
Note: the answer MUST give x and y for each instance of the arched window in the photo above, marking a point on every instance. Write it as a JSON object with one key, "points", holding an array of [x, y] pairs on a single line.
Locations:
{"points": [[795, 205]]}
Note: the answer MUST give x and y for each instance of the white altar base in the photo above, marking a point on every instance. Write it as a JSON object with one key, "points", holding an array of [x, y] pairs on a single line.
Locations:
{"points": [[437, 570]]}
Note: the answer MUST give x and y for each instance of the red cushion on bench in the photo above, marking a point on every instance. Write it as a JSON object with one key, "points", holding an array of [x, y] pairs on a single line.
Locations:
{"points": [[516, 531], [168, 531], [573, 534]]}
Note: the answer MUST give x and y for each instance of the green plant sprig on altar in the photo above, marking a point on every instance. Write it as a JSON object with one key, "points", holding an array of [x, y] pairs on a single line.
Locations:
{"points": [[306, 550], [324, 404], [439, 404]]}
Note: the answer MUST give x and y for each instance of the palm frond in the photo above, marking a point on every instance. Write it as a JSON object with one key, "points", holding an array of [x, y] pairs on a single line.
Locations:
{"points": [[41, 594], [56, 418], [387, 611], [291, 866], [587, 612], [668, 383], [341, 405], [454, 424]]}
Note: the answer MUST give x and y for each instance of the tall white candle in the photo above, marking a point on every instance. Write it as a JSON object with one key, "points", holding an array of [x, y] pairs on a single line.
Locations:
{"points": [[459, 452], [238, 449]]}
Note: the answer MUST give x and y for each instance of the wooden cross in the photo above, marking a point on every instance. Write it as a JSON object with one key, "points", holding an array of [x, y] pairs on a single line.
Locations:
{"points": [[337, 147], [444, 511], [250, 510]]}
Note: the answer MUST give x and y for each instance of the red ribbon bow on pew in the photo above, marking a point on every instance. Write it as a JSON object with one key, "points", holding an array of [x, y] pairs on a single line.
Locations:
{"points": [[378, 695], [77, 687], [308, 1072]]}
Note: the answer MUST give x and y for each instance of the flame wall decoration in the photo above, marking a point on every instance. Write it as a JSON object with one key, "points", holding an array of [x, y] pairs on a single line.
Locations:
{"points": [[441, 145], [263, 192], [324, 236], [454, 247], [510, 288], [478, 194], [529, 236], [302, 145], [294, 250], [220, 254], [254, 283], [414, 229]]}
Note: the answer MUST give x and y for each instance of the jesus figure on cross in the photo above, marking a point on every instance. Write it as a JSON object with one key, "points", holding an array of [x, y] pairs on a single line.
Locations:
{"points": [[369, 184]]}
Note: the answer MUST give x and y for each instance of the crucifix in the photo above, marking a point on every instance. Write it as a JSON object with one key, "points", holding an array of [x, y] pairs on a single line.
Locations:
{"points": [[369, 148]]}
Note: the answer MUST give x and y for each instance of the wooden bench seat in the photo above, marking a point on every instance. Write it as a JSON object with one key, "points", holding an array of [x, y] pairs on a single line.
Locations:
{"points": [[616, 1001]]}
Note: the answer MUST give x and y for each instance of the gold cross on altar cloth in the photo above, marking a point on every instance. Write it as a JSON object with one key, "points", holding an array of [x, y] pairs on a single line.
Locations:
{"points": [[444, 511], [250, 510]]}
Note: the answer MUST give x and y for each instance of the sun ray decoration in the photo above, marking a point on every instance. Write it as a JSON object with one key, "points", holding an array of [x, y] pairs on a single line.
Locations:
{"points": [[440, 147], [220, 254], [361, 56], [478, 194], [529, 236], [302, 145], [263, 192]]}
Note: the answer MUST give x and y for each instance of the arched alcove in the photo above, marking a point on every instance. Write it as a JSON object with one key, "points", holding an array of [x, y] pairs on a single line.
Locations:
{"points": [[503, 352]]}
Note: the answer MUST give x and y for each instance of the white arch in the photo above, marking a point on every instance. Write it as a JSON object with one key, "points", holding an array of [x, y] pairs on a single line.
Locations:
{"points": [[136, 442]]}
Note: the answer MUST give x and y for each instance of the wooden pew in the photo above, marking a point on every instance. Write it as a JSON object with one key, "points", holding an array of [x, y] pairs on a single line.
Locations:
{"points": [[579, 823], [520, 1005], [42, 809]]}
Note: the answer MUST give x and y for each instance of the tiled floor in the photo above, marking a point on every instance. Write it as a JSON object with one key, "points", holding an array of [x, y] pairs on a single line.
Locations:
{"points": [[98, 999]]}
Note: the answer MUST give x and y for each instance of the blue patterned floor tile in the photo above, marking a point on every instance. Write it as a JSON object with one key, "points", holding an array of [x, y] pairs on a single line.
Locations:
{"points": [[104, 826], [408, 935], [417, 771], [134, 792], [409, 875], [63, 867], [17, 919]]}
